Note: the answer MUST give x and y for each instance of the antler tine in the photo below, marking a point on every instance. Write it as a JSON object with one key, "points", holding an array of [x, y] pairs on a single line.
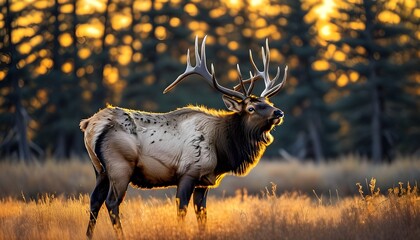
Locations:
{"points": [[203, 52], [252, 78], [270, 83], [266, 66], [240, 80], [226, 91], [259, 74], [200, 69], [266, 60], [197, 57], [188, 59], [251, 59], [270, 88], [241, 85], [273, 91], [251, 86]]}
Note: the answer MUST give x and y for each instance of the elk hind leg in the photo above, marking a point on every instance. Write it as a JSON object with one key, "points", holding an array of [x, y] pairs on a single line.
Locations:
{"points": [[117, 189], [97, 198]]}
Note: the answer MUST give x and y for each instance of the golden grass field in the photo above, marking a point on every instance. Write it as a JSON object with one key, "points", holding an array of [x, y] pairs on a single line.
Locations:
{"points": [[285, 209]]}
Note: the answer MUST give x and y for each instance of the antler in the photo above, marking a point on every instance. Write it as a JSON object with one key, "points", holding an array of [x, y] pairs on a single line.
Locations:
{"points": [[270, 89], [201, 69]]}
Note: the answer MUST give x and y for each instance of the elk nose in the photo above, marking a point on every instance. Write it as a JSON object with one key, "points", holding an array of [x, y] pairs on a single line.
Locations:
{"points": [[278, 114]]}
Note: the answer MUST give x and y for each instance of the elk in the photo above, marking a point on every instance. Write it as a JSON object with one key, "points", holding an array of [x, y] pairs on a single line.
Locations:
{"points": [[191, 148]]}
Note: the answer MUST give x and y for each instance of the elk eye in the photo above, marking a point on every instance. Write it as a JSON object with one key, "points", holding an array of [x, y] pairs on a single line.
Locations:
{"points": [[251, 109]]}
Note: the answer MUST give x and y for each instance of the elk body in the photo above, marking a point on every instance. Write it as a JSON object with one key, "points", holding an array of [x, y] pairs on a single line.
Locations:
{"points": [[191, 148]]}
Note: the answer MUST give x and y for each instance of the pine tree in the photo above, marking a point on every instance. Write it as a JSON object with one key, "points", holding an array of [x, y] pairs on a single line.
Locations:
{"points": [[62, 111], [404, 74], [161, 33], [15, 89], [308, 125], [373, 102], [216, 21]]}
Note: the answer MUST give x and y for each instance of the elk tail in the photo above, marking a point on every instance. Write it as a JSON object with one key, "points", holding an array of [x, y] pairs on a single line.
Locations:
{"points": [[84, 124], [94, 136]]}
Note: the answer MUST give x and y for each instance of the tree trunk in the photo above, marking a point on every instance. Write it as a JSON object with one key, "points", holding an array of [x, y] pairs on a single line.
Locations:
{"points": [[315, 139], [20, 115], [99, 94], [60, 146], [21, 122], [154, 57], [376, 126], [78, 147]]}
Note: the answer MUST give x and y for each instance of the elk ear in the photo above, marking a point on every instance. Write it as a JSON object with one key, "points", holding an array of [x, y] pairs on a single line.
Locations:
{"points": [[232, 104]]}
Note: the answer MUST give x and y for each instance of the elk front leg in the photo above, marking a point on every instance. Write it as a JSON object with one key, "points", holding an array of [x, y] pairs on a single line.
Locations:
{"points": [[200, 197], [183, 195]]}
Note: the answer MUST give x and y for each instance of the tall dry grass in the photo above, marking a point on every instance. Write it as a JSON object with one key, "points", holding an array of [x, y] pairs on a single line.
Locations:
{"points": [[77, 177], [19, 179], [339, 175], [311, 201], [395, 215]]}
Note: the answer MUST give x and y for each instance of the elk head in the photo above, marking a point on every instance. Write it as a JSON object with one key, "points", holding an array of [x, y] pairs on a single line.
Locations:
{"points": [[256, 112]]}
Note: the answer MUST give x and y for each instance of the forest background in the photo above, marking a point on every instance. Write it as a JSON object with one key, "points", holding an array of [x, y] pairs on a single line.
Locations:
{"points": [[353, 84]]}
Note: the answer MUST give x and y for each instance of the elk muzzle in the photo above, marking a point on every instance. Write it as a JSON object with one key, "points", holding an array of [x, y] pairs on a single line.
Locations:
{"points": [[277, 118]]}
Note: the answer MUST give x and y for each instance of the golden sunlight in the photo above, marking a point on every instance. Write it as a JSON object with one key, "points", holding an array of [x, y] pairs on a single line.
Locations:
{"points": [[175, 22], [33, 18], [191, 9], [256, 3], [110, 39], [67, 67], [320, 65], [111, 74], [124, 55], [234, 4], [93, 30], [324, 10], [142, 6], [2, 75], [389, 17], [67, 8], [24, 48], [84, 53], [217, 12], [90, 6], [232, 74], [233, 45], [20, 33], [354, 76], [31, 58], [160, 33], [342, 80], [339, 56], [120, 21], [322, 14], [65, 39], [325, 31], [264, 8], [19, 5]]}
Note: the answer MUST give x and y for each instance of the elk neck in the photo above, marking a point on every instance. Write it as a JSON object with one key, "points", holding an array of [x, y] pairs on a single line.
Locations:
{"points": [[239, 146]]}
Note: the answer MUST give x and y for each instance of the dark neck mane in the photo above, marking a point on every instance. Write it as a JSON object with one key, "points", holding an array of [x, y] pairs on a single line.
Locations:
{"points": [[238, 148]]}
